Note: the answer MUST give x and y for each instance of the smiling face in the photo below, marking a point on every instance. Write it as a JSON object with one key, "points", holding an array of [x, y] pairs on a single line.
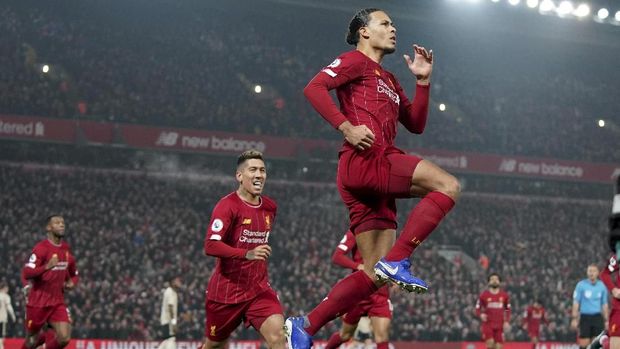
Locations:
{"points": [[380, 32], [251, 175]]}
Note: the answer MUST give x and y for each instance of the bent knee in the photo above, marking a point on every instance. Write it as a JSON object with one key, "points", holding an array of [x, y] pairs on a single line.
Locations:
{"points": [[346, 335], [276, 339], [63, 340], [214, 345], [31, 340], [451, 186], [381, 336]]}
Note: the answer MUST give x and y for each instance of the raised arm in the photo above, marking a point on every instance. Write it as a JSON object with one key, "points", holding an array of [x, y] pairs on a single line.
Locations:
{"points": [[414, 115]]}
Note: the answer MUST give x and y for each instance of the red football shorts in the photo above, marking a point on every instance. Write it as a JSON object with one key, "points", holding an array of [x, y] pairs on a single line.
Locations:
{"points": [[488, 332], [533, 333], [223, 319], [36, 317], [614, 321], [377, 305], [370, 181]]}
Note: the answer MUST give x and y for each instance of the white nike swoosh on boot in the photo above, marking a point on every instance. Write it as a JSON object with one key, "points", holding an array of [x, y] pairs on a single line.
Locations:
{"points": [[390, 269]]}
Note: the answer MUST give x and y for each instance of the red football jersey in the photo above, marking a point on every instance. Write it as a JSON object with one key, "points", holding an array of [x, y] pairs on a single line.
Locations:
{"points": [[533, 317], [348, 244], [48, 286], [611, 278], [368, 95], [496, 306], [240, 225]]}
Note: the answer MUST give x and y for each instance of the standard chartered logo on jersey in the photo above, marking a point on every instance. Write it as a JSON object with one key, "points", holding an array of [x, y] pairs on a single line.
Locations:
{"points": [[254, 237], [382, 87]]}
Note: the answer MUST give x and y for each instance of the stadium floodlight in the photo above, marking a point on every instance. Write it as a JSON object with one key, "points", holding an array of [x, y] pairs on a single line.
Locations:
{"points": [[565, 8], [258, 89], [617, 16], [45, 68], [601, 123], [582, 10], [442, 107], [532, 3], [495, 0], [546, 6], [603, 13], [514, 2]]}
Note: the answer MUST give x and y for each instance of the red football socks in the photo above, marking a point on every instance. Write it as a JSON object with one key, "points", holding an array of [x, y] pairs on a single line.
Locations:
{"points": [[347, 293], [48, 335], [334, 341], [383, 345], [43, 337], [421, 222], [52, 343]]}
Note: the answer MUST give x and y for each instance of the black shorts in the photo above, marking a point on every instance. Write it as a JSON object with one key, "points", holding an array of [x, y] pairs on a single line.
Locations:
{"points": [[3, 327], [164, 332], [361, 336], [590, 325]]}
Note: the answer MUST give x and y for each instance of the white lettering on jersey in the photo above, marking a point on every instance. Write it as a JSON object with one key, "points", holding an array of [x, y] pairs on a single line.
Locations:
{"points": [[61, 266], [254, 237], [495, 305], [382, 87]]}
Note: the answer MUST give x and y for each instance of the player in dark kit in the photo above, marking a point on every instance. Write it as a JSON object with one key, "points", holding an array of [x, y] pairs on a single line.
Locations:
{"points": [[238, 235], [378, 306], [532, 318], [50, 270], [493, 309], [372, 172]]}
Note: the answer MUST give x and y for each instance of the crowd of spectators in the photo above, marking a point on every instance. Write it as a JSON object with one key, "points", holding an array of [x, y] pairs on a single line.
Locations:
{"points": [[303, 170], [194, 64], [131, 230]]}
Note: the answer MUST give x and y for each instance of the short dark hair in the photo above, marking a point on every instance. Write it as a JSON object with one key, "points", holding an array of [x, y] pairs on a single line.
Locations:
{"points": [[49, 218], [361, 19], [494, 274], [249, 154]]}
